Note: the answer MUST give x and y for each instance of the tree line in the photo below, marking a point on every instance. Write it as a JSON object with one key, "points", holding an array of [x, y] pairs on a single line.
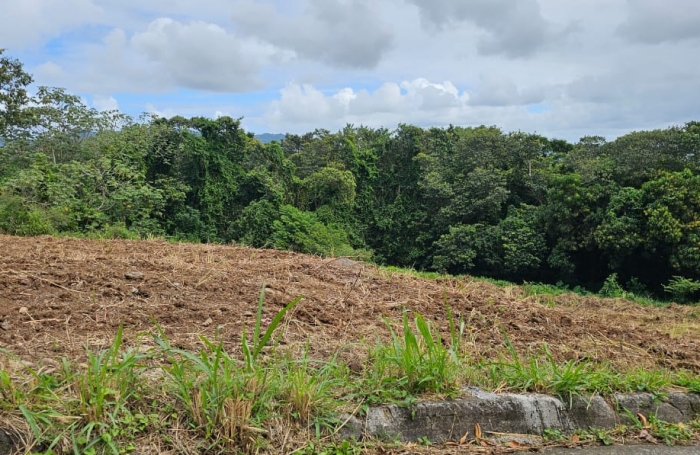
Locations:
{"points": [[478, 200]]}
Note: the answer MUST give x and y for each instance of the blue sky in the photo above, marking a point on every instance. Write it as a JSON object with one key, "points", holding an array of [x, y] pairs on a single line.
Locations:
{"points": [[560, 68]]}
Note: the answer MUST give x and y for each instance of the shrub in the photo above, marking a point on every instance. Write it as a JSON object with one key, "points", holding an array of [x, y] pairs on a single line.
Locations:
{"points": [[18, 217], [682, 288], [611, 288]]}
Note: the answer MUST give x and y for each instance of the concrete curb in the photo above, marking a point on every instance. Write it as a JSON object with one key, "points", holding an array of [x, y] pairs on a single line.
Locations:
{"points": [[449, 420], [443, 421]]}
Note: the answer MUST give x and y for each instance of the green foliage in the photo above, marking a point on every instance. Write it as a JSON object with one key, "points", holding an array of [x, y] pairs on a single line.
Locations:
{"points": [[682, 288], [567, 380], [414, 362], [611, 288], [524, 245], [252, 351], [13, 96], [18, 217], [255, 226], [303, 232], [512, 206], [225, 400]]}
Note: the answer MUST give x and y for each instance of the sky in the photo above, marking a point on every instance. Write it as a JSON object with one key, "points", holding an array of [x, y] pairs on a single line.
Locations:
{"points": [[561, 68]]}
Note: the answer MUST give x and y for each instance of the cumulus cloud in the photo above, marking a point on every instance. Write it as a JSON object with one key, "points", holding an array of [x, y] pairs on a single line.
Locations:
{"points": [[622, 97], [654, 21], [501, 90], [198, 55], [105, 103], [303, 107], [306, 104], [168, 54], [344, 33], [495, 58], [27, 22], [514, 29], [166, 113]]}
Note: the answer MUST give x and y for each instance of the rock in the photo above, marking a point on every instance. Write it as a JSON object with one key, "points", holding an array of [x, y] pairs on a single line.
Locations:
{"points": [[7, 442], [134, 275], [530, 414]]}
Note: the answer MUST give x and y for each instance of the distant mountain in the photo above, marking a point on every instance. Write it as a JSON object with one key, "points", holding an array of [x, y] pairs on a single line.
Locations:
{"points": [[269, 137]]}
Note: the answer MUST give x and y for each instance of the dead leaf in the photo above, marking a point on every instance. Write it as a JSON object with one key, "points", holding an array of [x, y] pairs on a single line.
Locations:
{"points": [[24, 310], [5, 325], [575, 438], [477, 431], [463, 439], [643, 434], [208, 322], [643, 420], [516, 445]]}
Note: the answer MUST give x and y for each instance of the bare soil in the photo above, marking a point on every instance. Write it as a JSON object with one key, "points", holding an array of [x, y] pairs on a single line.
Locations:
{"points": [[60, 295]]}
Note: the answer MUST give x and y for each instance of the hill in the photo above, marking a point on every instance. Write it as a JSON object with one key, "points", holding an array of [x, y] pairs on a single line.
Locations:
{"points": [[269, 137], [162, 324], [56, 294]]}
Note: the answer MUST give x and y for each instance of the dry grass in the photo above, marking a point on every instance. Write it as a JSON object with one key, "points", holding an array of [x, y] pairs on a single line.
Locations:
{"points": [[58, 295]]}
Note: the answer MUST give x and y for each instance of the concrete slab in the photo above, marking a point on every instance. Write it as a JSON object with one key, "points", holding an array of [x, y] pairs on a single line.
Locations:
{"points": [[448, 420]]}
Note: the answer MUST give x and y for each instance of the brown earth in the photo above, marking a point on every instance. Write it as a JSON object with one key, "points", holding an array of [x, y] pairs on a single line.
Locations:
{"points": [[59, 296]]}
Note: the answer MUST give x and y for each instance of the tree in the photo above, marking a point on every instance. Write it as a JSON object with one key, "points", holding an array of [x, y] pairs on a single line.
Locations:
{"points": [[13, 96]]}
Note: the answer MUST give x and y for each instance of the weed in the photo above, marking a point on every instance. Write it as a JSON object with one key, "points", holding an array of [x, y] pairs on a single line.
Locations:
{"points": [[109, 380], [551, 435], [611, 288], [226, 398], [412, 363], [424, 441], [421, 358], [670, 433], [689, 381], [309, 392], [334, 448], [259, 343]]}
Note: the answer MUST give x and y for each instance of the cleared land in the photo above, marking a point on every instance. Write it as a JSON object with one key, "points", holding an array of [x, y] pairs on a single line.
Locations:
{"points": [[61, 296], [58, 295]]}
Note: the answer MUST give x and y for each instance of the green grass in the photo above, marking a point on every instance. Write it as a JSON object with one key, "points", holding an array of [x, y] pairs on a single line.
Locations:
{"points": [[544, 290], [414, 362], [262, 398], [392, 270]]}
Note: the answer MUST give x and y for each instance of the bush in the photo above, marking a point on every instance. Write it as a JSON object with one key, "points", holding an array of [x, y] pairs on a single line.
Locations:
{"points": [[611, 288], [18, 217], [682, 288], [303, 232]]}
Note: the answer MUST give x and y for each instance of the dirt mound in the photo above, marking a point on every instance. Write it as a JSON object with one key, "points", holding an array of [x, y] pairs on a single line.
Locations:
{"points": [[59, 295]]}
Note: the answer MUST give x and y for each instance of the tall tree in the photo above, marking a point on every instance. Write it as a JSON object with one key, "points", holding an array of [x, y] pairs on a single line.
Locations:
{"points": [[13, 96]]}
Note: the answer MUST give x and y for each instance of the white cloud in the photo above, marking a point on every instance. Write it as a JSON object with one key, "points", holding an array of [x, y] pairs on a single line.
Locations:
{"points": [[654, 21], [25, 23], [105, 103], [345, 33], [167, 113], [166, 55], [514, 29], [501, 90], [199, 55], [591, 66], [303, 107], [413, 100]]}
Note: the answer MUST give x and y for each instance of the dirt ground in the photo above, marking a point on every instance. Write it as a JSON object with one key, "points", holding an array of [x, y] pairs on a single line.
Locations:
{"points": [[59, 296]]}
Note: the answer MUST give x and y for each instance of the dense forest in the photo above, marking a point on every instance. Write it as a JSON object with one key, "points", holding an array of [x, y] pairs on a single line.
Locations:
{"points": [[477, 200]]}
